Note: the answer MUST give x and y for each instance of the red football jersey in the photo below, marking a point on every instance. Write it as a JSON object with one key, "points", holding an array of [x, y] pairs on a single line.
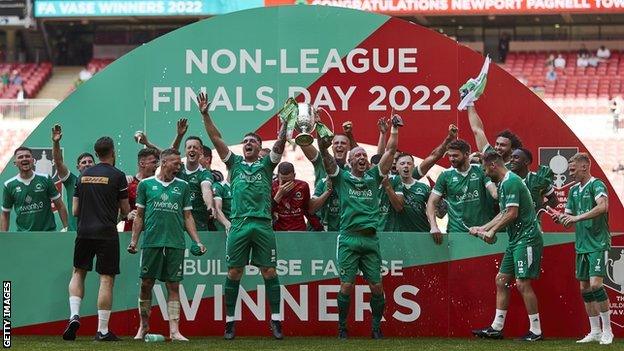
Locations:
{"points": [[132, 193], [289, 213]]}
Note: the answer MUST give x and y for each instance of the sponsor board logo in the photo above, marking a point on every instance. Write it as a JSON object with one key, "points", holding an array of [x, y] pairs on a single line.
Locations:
{"points": [[614, 282]]}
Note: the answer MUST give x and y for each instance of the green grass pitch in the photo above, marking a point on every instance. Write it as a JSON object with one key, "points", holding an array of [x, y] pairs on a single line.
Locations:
{"points": [[304, 344]]}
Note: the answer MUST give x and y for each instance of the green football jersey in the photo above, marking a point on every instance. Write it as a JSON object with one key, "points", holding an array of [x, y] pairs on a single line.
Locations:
{"points": [[251, 185], [413, 218], [514, 193], [195, 179], [489, 149], [465, 194], [164, 204], [223, 191], [30, 198], [69, 182], [540, 184], [319, 169], [386, 220], [359, 199], [330, 212], [592, 235]]}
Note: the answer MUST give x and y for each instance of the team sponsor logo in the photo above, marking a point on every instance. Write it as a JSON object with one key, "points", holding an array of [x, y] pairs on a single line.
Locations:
{"points": [[614, 281], [93, 180], [250, 178], [557, 159], [30, 206], [360, 193], [467, 196], [164, 197]]}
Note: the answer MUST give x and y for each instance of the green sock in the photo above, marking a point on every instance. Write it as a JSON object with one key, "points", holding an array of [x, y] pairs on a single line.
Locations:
{"points": [[378, 303], [274, 294], [231, 294], [344, 302]]}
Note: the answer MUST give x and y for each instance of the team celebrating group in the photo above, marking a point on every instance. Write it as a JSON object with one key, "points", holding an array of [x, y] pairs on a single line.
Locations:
{"points": [[482, 193]]}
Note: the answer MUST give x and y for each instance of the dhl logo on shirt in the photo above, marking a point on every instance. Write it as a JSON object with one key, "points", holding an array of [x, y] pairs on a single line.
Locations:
{"points": [[94, 180]]}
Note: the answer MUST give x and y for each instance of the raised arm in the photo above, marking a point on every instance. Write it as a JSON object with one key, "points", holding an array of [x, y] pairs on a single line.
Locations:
{"points": [[181, 128], [438, 152], [385, 164], [328, 160], [382, 126], [347, 128], [142, 139], [57, 155], [477, 128], [278, 147], [211, 129]]}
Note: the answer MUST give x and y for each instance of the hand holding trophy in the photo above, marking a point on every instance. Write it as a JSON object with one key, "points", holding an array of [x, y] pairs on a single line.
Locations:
{"points": [[304, 118]]}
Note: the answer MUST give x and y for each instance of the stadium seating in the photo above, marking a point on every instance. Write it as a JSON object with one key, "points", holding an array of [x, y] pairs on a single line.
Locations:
{"points": [[96, 65], [604, 81], [608, 155], [12, 134], [33, 75]]}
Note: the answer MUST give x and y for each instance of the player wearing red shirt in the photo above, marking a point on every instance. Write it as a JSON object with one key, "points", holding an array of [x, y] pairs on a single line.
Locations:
{"points": [[148, 160], [291, 199]]}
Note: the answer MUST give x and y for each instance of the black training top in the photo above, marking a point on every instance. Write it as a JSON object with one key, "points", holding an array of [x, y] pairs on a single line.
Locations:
{"points": [[99, 190]]}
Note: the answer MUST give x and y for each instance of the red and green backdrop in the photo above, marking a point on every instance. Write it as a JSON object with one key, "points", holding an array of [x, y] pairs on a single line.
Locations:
{"points": [[360, 66]]}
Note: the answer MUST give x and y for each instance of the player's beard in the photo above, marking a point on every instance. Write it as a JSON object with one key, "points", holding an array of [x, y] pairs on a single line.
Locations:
{"points": [[25, 167]]}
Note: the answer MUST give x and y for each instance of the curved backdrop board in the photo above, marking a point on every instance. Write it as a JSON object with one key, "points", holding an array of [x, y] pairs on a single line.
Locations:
{"points": [[359, 66], [431, 290]]}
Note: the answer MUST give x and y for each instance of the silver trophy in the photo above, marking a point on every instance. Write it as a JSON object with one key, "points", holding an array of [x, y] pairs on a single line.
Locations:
{"points": [[307, 115]]}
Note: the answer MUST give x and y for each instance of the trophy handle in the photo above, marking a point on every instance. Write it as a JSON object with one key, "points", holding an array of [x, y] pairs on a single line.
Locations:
{"points": [[610, 263], [328, 115]]}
